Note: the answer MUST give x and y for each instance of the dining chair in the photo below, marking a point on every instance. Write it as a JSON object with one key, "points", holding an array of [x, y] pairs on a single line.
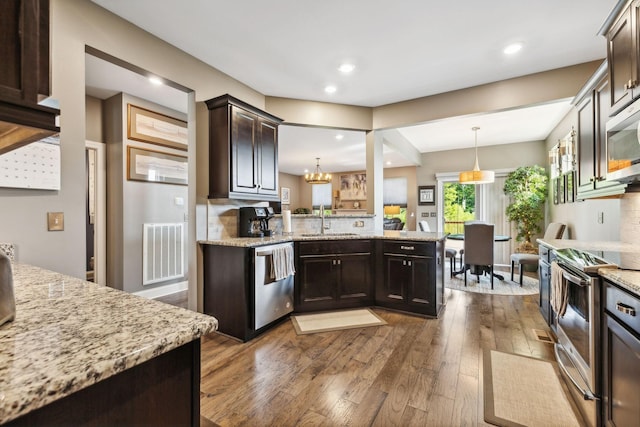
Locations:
{"points": [[554, 230], [450, 253], [478, 249]]}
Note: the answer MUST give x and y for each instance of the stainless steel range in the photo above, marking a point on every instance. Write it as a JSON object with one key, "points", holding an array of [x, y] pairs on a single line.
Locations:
{"points": [[578, 328]]}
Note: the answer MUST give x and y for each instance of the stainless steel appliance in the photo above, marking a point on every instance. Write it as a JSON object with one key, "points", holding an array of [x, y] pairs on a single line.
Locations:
{"points": [[623, 145], [578, 330], [273, 298], [254, 221]]}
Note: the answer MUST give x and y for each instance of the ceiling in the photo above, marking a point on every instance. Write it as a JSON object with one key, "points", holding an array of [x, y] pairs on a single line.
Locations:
{"points": [[401, 50]]}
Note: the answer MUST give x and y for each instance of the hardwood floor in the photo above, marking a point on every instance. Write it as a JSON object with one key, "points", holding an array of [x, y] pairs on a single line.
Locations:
{"points": [[413, 371]]}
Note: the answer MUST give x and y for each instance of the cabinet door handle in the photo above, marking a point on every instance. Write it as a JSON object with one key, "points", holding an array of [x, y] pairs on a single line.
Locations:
{"points": [[409, 263], [339, 262], [407, 248], [626, 309]]}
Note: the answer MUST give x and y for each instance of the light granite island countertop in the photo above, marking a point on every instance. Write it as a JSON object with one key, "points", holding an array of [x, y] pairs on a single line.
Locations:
{"points": [[251, 242], [70, 335]]}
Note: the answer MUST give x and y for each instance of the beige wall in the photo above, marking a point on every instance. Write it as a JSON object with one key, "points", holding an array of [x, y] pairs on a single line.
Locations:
{"points": [[292, 182], [532, 89], [93, 120]]}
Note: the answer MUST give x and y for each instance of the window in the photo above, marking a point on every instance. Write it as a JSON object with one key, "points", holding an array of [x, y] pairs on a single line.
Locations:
{"points": [[394, 193], [321, 195]]}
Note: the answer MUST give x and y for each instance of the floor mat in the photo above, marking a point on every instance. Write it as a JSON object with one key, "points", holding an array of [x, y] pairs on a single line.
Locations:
{"points": [[335, 320], [524, 391]]}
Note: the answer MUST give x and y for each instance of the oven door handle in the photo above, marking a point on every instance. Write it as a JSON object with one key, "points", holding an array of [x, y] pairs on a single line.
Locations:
{"points": [[586, 393], [580, 281]]}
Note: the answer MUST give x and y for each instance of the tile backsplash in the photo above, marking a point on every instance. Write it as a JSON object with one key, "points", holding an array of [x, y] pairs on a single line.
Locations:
{"points": [[630, 218], [219, 220]]}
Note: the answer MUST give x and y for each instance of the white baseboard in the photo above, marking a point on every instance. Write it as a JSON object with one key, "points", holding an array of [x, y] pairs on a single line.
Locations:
{"points": [[162, 291]]}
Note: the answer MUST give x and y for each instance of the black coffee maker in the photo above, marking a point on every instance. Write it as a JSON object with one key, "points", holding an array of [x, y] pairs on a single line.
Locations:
{"points": [[254, 221]]}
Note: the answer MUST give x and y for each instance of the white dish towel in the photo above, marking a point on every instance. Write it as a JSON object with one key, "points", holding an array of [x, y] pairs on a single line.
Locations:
{"points": [[282, 262], [559, 290]]}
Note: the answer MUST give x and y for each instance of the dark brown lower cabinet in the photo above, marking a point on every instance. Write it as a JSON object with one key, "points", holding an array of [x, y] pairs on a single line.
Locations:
{"points": [[409, 276], [621, 351], [163, 391], [333, 274]]}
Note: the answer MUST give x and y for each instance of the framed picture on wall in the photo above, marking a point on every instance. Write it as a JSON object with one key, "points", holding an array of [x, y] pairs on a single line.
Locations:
{"points": [[285, 196], [427, 195], [554, 190], [561, 189], [570, 187], [155, 128], [155, 166]]}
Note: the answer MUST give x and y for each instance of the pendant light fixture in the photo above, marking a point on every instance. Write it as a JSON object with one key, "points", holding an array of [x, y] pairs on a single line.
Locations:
{"points": [[476, 176], [318, 177]]}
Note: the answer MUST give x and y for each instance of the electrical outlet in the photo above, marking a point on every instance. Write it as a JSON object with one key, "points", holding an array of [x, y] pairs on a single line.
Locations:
{"points": [[359, 224], [424, 214], [600, 217]]}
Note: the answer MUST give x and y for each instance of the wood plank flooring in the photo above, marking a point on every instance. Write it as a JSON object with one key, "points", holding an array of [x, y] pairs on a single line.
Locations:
{"points": [[412, 371]]}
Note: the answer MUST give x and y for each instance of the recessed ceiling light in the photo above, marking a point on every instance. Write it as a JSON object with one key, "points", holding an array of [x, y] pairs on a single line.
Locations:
{"points": [[512, 48], [388, 163], [155, 80], [346, 68], [339, 136], [330, 89]]}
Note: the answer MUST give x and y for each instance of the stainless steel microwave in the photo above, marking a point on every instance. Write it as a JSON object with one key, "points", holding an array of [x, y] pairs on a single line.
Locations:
{"points": [[623, 145]]}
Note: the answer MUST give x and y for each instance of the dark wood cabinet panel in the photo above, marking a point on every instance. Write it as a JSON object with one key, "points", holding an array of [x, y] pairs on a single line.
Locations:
{"points": [[243, 151], [622, 54], [333, 274], [585, 143], [24, 69], [621, 375], [621, 357], [409, 276]]}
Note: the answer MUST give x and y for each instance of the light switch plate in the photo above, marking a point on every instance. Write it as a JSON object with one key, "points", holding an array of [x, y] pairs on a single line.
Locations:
{"points": [[433, 214], [424, 214], [55, 221]]}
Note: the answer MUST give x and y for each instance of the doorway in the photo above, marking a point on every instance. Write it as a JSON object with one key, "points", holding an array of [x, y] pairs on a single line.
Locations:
{"points": [[95, 212]]}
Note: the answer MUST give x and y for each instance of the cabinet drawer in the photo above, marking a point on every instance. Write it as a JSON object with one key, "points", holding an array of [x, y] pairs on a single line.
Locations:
{"points": [[409, 248], [329, 247], [623, 306]]}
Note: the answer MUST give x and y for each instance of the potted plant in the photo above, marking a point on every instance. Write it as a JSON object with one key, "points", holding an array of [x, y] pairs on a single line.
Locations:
{"points": [[527, 187]]}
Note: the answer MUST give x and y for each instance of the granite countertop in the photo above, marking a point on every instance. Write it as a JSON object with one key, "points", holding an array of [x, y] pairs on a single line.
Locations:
{"points": [[69, 334], [619, 253], [252, 242]]}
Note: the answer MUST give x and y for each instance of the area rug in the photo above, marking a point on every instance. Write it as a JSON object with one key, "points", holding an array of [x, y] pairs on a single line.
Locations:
{"points": [[530, 285], [524, 391], [335, 320]]}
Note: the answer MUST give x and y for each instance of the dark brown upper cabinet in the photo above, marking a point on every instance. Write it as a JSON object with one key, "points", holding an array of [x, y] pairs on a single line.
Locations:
{"points": [[243, 151], [623, 55], [24, 73]]}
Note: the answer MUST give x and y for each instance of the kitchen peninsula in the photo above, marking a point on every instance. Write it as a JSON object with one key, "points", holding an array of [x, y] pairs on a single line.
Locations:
{"points": [[82, 354], [397, 270]]}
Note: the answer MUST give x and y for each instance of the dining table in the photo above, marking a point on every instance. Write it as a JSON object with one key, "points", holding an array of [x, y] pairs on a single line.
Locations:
{"points": [[475, 268]]}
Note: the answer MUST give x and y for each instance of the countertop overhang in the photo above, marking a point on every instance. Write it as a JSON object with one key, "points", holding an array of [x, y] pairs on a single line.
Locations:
{"points": [[69, 334]]}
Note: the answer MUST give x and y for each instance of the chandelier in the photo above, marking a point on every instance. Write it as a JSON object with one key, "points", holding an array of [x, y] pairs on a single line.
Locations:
{"points": [[318, 177], [476, 176]]}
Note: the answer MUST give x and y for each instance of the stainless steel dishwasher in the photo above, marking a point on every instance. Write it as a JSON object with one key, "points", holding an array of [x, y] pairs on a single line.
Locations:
{"points": [[273, 299]]}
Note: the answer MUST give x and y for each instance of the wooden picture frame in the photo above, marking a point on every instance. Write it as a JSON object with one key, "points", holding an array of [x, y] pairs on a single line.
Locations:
{"points": [[561, 189], [427, 195], [155, 128], [570, 187], [285, 195], [156, 166]]}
